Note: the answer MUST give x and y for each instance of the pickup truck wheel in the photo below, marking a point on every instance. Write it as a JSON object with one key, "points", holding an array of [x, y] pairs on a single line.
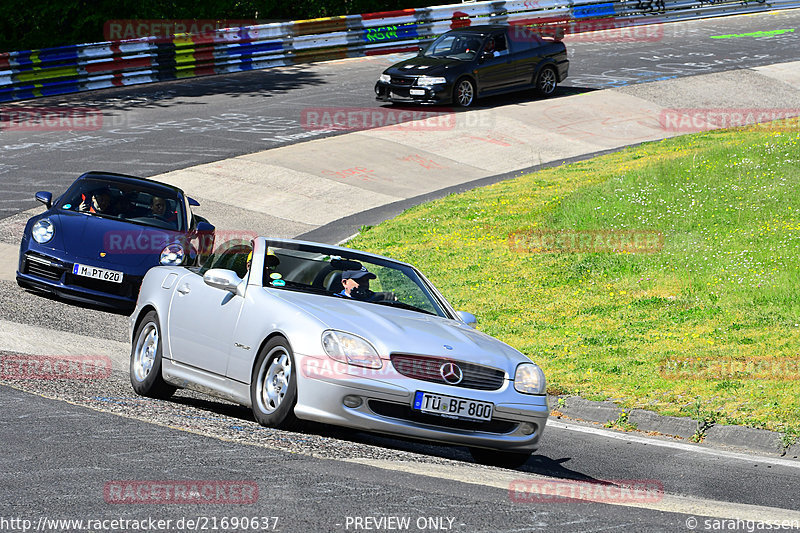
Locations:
{"points": [[546, 81], [464, 92]]}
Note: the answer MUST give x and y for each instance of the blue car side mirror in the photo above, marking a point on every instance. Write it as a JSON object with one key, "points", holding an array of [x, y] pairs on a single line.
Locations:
{"points": [[46, 198], [192, 201], [204, 227]]}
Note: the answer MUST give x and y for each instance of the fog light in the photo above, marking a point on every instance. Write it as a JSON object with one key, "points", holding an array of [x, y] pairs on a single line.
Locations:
{"points": [[352, 401], [526, 428]]}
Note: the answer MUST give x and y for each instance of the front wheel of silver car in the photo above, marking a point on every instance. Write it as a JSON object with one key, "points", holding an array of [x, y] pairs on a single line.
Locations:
{"points": [[464, 92], [145, 368], [499, 458], [546, 81], [273, 387]]}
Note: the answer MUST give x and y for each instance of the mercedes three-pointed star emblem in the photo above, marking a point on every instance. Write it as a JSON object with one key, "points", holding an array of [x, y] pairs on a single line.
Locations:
{"points": [[451, 373]]}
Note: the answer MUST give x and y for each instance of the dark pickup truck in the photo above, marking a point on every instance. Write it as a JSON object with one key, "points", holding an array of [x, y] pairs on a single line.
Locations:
{"points": [[468, 63]]}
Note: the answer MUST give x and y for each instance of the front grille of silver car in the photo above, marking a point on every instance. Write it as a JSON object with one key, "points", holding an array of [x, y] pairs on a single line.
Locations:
{"points": [[404, 412], [428, 368]]}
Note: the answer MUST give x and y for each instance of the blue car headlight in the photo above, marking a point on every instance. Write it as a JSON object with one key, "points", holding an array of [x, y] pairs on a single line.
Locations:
{"points": [[385, 78], [172, 255], [350, 349], [42, 231], [529, 379]]}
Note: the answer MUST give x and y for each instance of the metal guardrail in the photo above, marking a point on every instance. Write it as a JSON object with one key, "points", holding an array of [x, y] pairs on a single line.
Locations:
{"points": [[68, 69]]}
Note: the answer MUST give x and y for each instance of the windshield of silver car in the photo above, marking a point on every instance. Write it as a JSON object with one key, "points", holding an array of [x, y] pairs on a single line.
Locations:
{"points": [[350, 277]]}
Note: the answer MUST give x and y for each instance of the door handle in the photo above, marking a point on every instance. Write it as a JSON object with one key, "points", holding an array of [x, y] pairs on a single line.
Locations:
{"points": [[184, 289]]}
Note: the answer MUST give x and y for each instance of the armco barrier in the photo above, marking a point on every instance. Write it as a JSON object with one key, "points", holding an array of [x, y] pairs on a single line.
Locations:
{"points": [[68, 69]]}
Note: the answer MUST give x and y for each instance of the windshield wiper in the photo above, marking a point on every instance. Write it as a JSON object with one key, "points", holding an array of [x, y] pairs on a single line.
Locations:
{"points": [[403, 305]]}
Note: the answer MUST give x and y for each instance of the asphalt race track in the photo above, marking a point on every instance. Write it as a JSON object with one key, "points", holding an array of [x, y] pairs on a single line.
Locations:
{"points": [[151, 129], [68, 443]]}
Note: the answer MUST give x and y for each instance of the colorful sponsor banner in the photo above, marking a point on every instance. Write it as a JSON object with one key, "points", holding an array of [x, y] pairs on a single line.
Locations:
{"points": [[595, 10], [123, 29]]}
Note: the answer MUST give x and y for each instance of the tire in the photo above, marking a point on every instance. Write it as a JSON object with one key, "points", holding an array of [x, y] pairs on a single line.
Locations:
{"points": [[546, 81], [273, 386], [464, 92], [145, 368], [499, 457]]}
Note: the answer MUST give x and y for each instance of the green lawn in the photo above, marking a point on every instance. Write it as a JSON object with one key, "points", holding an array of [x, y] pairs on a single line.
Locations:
{"points": [[676, 329]]}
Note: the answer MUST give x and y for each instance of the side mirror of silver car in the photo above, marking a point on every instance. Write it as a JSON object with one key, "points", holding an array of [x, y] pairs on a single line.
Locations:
{"points": [[467, 318], [220, 278]]}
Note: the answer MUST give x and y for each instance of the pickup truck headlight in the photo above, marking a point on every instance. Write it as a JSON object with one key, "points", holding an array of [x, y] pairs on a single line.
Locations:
{"points": [[529, 379], [427, 81], [42, 231], [350, 349]]}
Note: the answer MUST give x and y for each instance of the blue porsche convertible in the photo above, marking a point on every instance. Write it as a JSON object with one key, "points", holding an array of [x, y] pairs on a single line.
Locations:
{"points": [[96, 241]]}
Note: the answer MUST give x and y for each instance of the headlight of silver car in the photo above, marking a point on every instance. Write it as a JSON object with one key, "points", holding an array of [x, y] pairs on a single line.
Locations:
{"points": [[42, 231], [350, 349], [529, 379], [427, 81], [385, 78], [172, 255]]}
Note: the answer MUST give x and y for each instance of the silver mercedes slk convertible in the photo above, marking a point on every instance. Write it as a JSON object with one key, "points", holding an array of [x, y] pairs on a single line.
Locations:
{"points": [[304, 331]]}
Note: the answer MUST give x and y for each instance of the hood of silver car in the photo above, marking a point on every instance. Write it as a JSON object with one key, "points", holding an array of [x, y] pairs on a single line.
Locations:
{"points": [[394, 330]]}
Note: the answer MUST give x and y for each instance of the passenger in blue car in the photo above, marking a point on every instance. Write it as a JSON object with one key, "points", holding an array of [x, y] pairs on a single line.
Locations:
{"points": [[100, 202], [158, 206]]}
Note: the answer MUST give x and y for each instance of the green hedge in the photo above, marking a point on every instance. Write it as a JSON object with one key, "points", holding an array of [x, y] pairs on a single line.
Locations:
{"points": [[33, 24]]}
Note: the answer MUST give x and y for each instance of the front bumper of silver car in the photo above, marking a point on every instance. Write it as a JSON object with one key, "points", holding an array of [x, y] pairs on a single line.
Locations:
{"points": [[383, 404]]}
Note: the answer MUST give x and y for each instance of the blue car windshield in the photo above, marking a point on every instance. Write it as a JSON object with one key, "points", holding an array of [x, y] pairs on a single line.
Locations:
{"points": [[139, 204]]}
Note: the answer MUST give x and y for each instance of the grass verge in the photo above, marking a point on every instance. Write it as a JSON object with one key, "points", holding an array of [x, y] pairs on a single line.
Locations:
{"points": [[662, 277]]}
